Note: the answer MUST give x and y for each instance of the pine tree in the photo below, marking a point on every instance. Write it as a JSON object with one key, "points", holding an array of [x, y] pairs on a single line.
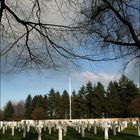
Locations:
{"points": [[127, 92], [51, 103], [82, 102], [45, 103], [113, 100], [28, 107], [39, 102], [99, 101], [76, 106], [8, 111], [134, 107], [57, 105], [65, 105], [89, 100], [33, 103]]}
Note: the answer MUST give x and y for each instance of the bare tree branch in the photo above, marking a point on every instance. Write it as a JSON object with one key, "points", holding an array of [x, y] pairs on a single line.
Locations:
{"points": [[102, 30]]}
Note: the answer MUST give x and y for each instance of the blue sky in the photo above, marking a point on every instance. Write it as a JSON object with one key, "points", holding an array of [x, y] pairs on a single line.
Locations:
{"points": [[16, 86]]}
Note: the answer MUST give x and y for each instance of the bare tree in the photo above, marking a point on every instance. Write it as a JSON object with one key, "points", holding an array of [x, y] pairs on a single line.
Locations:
{"points": [[18, 110], [113, 25], [30, 40], [38, 114]]}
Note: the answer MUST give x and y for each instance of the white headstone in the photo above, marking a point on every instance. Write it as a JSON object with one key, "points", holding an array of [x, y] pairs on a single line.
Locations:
{"points": [[119, 129], [60, 137], [24, 129], [3, 129], [95, 129], [50, 130], [106, 133], [39, 133], [12, 130], [65, 130], [82, 131], [138, 128]]}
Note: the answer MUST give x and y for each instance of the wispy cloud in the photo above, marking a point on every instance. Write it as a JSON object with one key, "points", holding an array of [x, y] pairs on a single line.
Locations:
{"points": [[104, 78]]}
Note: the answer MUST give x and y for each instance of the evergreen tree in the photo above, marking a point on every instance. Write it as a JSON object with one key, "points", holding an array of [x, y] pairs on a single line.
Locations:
{"points": [[89, 100], [127, 92], [82, 102], [113, 100], [76, 106], [57, 105], [33, 104], [65, 105], [134, 107], [40, 101], [99, 101], [8, 111], [45, 103], [28, 107], [51, 103]]}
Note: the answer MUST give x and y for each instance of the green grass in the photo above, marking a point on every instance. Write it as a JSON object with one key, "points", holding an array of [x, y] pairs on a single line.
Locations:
{"points": [[128, 134]]}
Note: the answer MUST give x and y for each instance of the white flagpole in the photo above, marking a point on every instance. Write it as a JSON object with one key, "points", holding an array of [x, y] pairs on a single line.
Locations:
{"points": [[70, 97]]}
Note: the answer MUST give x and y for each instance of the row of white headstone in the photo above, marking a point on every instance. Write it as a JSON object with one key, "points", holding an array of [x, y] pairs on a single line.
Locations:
{"points": [[61, 126]]}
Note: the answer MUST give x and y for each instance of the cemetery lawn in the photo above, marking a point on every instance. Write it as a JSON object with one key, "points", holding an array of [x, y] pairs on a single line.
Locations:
{"points": [[129, 133]]}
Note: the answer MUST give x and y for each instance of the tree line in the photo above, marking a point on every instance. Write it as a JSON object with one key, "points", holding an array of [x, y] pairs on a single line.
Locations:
{"points": [[120, 99]]}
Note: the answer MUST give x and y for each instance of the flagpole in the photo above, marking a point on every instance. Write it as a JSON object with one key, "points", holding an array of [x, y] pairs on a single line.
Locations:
{"points": [[1, 30], [70, 98]]}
